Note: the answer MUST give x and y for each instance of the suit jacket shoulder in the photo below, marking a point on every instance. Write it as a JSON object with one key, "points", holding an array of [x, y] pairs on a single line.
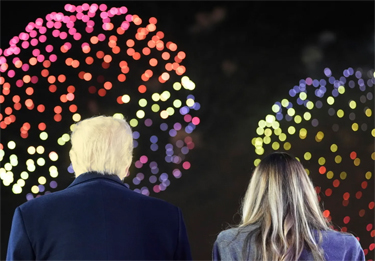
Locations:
{"points": [[98, 217]]}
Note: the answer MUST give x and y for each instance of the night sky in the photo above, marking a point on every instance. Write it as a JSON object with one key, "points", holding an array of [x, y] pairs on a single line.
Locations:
{"points": [[242, 57]]}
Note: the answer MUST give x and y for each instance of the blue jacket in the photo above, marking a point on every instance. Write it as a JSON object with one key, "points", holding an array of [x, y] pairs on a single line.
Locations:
{"points": [[97, 218], [336, 246]]}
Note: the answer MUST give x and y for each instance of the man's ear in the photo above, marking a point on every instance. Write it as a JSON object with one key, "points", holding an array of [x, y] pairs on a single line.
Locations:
{"points": [[123, 174], [73, 157]]}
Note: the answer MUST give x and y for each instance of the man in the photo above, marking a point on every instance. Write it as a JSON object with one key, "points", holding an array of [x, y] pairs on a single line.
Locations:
{"points": [[97, 217]]}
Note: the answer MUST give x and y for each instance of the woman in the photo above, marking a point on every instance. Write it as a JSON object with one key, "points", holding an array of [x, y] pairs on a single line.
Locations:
{"points": [[281, 219]]}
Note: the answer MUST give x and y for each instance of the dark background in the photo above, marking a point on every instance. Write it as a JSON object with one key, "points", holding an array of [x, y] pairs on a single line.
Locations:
{"points": [[241, 65]]}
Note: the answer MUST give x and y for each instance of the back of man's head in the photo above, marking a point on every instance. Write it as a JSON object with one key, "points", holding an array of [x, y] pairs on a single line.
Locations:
{"points": [[102, 144]]}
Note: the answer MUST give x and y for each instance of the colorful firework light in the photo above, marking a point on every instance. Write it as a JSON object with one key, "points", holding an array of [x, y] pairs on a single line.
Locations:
{"points": [[329, 125], [86, 61]]}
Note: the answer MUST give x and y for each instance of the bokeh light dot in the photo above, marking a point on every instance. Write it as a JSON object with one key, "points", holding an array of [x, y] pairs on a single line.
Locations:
{"points": [[76, 117], [42, 180], [35, 189], [53, 156], [43, 135], [11, 145]]}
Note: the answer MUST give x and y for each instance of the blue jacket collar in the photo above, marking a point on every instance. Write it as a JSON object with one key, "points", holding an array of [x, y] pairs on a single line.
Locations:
{"points": [[95, 175]]}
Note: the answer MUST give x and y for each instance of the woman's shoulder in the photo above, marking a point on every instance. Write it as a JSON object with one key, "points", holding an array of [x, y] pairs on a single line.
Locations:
{"points": [[234, 234], [228, 244], [341, 246], [333, 236], [228, 234]]}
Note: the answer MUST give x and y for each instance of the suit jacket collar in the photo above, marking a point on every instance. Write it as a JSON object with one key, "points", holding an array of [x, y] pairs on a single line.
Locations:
{"points": [[95, 175]]}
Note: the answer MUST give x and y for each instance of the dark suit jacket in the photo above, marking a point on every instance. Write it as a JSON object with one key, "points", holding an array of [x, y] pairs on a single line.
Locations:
{"points": [[97, 218]]}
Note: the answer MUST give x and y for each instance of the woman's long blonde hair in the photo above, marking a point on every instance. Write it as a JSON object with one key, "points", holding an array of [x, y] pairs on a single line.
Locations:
{"points": [[281, 206]]}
